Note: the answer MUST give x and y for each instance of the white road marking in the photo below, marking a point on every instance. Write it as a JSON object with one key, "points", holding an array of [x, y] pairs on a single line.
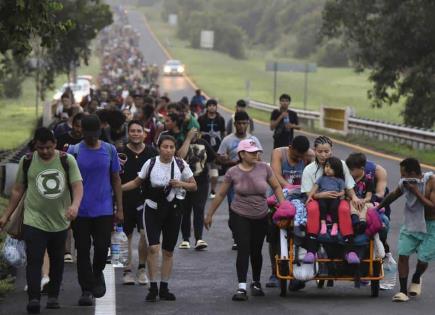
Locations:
{"points": [[107, 304]]}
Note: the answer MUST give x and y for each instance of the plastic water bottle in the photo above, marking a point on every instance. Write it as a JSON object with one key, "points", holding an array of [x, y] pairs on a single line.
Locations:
{"points": [[390, 273], [286, 120], [119, 248]]}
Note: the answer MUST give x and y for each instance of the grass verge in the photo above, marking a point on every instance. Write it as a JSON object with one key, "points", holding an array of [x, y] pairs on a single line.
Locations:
{"points": [[18, 116], [223, 77]]}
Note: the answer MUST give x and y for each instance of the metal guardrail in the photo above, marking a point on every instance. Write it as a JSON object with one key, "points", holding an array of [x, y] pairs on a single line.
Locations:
{"points": [[417, 138]]}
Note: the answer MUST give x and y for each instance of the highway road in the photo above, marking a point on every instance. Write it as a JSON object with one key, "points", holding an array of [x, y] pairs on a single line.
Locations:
{"points": [[205, 281]]}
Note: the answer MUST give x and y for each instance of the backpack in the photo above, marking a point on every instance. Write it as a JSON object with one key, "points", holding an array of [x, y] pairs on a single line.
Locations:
{"points": [[27, 161], [197, 158], [146, 184]]}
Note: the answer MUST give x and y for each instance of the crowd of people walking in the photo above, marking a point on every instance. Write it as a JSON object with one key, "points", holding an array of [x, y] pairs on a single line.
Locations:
{"points": [[129, 154]]}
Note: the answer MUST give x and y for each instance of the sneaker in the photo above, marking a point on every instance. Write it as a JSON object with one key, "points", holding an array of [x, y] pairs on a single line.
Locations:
{"points": [[52, 303], [127, 278], [256, 289], [34, 306], [152, 295], [273, 282], [240, 295], [200, 245], [141, 277], [165, 295], [86, 299], [184, 245], [352, 258], [68, 258], [212, 195], [309, 258], [100, 286], [234, 247]]}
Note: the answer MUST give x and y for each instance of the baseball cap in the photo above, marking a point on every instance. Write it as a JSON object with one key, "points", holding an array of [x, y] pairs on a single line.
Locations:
{"points": [[248, 145], [91, 126]]}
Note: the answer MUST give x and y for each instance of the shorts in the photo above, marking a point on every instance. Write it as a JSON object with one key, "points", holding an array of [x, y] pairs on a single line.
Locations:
{"points": [[421, 243], [132, 218], [165, 221], [213, 170]]}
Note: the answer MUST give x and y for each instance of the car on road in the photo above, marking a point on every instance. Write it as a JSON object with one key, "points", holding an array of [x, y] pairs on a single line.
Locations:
{"points": [[173, 67]]}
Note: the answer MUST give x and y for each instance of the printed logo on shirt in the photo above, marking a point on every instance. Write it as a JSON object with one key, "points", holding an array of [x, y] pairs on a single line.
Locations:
{"points": [[50, 183], [293, 177]]}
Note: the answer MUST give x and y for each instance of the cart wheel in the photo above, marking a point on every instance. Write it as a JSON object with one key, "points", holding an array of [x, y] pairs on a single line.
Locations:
{"points": [[283, 284], [320, 284], [375, 288]]}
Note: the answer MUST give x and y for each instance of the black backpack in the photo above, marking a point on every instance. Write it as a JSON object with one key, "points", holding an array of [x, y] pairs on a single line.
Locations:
{"points": [[147, 189]]}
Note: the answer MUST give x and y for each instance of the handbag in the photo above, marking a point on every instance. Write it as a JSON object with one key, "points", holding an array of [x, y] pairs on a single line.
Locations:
{"points": [[14, 227]]}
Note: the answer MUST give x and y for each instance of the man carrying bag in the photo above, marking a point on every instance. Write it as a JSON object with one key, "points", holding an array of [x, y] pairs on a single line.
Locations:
{"points": [[49, 206]]}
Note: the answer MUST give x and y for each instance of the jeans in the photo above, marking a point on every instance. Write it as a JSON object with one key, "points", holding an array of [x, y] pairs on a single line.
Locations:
{"points": [[37, 242], [98, 230]]}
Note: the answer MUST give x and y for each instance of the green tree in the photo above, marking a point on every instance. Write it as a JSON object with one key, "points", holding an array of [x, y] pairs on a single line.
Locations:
{"points": [[394, 41], [87, 18], [20, 20]]}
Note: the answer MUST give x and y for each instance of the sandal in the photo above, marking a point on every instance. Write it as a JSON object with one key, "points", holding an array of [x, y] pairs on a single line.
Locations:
{"points": [[400, 297], [415, 289]]}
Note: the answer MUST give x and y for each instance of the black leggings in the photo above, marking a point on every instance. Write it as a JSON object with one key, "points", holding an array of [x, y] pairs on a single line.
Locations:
{"points": [[329, 206], [249, 234], [194, 200], [86, 230], [37, 241]]}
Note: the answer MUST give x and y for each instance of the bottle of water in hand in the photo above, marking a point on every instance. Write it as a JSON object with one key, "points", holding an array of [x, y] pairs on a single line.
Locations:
{"points": [[119, 248]]}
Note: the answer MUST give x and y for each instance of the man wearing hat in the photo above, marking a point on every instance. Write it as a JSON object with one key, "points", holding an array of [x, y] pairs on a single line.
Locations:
{"points": [[99, 165]]}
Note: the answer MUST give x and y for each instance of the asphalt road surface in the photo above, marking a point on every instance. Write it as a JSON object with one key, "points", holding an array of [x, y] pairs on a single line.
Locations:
{"points": [[204, 282]]}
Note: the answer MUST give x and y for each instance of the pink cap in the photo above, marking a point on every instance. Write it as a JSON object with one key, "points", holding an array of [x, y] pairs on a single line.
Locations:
{"points": [[248, 145]]}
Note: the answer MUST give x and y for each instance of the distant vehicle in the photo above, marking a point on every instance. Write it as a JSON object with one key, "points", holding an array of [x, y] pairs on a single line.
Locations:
{"points": [[79, 89], [173, 67]]}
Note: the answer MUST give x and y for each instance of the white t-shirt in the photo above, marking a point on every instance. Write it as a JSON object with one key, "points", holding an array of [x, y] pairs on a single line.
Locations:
{"points": [[313, 171], [161, 175]]}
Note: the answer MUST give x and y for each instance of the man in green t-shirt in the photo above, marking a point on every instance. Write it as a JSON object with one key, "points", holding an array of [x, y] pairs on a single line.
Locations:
{"points": [[52, 200]]}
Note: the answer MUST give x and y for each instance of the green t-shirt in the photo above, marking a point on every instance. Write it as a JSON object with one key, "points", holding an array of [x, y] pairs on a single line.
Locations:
{"points": [[47, 196]]}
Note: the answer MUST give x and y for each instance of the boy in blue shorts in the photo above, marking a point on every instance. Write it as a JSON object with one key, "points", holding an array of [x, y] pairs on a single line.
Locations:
{"points": [[417, 234]]}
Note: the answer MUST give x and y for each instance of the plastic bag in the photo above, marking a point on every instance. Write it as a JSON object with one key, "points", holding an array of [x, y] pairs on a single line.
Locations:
{"points": [[14, 252]]}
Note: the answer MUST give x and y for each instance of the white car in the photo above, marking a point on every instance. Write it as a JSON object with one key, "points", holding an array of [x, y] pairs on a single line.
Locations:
{"points": [[173, 67], [80, 90]]}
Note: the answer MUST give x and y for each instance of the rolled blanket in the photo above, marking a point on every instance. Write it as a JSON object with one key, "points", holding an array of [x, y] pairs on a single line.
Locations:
{"points": [[286, 210], [374, 222]]}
